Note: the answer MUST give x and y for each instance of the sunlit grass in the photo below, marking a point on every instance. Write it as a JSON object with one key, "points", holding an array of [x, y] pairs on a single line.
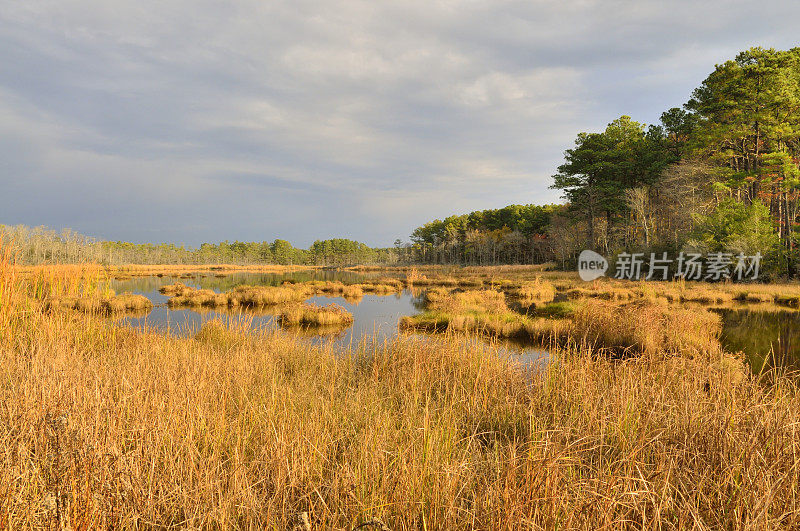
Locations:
{"points": [[103, 426], [647, 326], [101, 303], [314, 315]]}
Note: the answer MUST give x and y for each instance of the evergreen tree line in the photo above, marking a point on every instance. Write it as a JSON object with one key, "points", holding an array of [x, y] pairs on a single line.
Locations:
{"points": [[719, 174], [40, 245], [514, 234]]}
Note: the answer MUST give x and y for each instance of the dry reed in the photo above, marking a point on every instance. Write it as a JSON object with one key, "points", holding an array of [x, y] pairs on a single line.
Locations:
{"points": [[444, 300], [314, 315], [647, 326], [103, 426]]}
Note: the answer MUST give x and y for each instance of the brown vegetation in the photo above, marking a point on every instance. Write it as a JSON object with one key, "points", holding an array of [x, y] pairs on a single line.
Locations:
{"points": [[264, 295], [504, 325], [457, 301], [314, 315], [177, 288], [103, 426], [647, 327], [383, 286], [531, 292], [198, 297], [103, 304], [482, 311]]}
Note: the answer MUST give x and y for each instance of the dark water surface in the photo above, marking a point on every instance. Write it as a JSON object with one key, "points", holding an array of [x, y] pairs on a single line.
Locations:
{"points": [[768, 337], [375, 317]]}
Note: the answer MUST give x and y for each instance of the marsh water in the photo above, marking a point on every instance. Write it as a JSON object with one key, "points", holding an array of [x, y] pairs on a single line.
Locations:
{"points": [[767, 337], [375, 317]]}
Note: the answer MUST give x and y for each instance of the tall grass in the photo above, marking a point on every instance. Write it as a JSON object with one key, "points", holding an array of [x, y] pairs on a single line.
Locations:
{"points": [[10, 294], [230, 429], [198, 297], [176, 289], [531, 293], [716, 294], [25, 291], [103, 426], [498, 324], [648, 326], [68, 280], [261, 296]]}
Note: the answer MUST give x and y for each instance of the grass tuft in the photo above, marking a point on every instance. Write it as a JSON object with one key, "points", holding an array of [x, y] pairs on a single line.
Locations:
{"points": [[124, 302], [313, 315]]}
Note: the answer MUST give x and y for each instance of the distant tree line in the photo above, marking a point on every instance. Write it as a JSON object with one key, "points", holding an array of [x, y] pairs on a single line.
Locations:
{"points": [[40, 245], [513, 234]]}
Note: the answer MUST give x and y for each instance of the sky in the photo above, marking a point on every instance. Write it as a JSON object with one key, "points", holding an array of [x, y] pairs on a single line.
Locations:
{"points": [[189, 121]]}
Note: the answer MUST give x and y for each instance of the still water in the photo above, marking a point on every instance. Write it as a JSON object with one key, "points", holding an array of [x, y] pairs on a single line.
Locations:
{"points": [[767, 337], [375, 317]]}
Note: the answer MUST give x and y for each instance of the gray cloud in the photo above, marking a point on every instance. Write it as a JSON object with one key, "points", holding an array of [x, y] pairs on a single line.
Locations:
{"points": [[193, 121]]}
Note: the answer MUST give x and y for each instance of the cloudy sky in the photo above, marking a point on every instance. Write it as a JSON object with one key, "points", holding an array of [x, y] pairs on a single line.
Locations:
{"points": [[198, 120]]}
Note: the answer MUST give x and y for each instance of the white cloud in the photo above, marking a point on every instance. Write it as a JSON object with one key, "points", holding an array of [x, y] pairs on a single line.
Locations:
{"points": [[356, 118]]}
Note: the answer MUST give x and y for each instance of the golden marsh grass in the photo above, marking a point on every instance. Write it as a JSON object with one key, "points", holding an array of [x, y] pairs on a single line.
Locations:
{"points": [[314, 315], [235, 429], [103, 426], [124, 302]]}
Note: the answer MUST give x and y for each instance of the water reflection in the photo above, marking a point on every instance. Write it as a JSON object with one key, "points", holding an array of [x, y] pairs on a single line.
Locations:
{"points": [[768, 338], [375, 317]]}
